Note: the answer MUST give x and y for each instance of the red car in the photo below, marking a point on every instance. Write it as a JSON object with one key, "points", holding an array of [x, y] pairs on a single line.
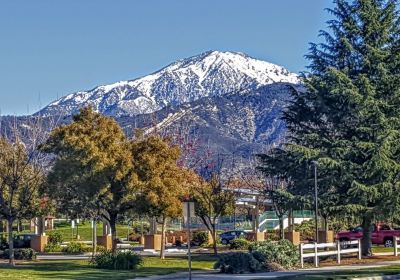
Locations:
{"points": [[381, 235]]}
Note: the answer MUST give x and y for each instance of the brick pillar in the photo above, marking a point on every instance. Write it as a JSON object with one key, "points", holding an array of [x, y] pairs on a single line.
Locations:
{"points": [[152, 241], [38, 242]]}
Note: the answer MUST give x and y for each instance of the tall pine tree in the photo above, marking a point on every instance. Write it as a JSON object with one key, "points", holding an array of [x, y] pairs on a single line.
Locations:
{"points": [[348, 119]]}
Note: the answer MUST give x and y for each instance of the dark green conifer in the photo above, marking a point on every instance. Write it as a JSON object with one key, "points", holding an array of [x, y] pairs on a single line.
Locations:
{"points": [[348, 117]]}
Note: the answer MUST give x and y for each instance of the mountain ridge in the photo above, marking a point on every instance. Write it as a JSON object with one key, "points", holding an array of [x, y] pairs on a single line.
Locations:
{"points": [[185, 80]]}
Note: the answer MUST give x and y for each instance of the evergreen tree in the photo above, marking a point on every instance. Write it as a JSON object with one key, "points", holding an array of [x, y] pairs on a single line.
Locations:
{"points": [[348, 119]]}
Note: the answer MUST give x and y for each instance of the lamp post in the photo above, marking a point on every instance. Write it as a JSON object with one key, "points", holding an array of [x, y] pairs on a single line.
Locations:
{"points": [[188, 209], [315, 163]]}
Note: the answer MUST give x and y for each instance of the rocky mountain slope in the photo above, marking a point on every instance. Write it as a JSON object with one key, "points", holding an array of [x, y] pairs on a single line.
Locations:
{"points": [[209, 74]]}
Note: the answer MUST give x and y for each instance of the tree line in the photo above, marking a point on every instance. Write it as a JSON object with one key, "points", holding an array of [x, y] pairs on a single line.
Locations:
{"points": [[96, 172]]}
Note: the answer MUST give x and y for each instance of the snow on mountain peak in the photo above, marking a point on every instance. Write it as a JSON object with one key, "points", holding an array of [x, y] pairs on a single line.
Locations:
{"points": [[186, 80]]}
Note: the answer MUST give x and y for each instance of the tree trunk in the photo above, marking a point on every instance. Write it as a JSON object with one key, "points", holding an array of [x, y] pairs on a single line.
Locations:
{"points": [[3, 227], [162, 251], [113, 222], [41, 223], [94, 239], [326, 228], [281, 227], [366, 243], [214, 239], [11, 242]]}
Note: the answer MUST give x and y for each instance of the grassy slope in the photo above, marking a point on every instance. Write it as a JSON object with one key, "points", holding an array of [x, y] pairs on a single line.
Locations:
{"points": [[85, 231], [81, 270]]}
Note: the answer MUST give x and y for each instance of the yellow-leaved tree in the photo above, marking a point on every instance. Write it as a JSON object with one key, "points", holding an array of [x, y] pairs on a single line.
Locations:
{"points": [[163, 182], [94, 156]]}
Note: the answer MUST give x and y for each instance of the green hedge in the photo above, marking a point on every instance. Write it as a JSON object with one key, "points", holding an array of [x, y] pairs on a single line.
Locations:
{"points": [[119, 261], [237, 263], [53, 248], [77, 248], [20, 254], [239, 244], [200, 238], [282, 252], [55, 237], [262, 256]]}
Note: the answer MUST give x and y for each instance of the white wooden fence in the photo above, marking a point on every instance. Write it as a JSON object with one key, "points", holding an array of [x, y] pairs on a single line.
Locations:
{"points": [[337, 250], [396, 245]]}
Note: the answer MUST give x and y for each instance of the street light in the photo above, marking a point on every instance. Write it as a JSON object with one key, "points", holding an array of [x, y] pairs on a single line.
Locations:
{"points": [[315, 163]]}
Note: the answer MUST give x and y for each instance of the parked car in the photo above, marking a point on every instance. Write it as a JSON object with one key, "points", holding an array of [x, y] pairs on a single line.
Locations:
{"points": [[228, 236], [20, 241], [381, 235]]}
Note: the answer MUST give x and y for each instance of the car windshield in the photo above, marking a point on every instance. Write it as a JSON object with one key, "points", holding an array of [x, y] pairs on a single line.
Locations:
{"points": [[358, 229]]}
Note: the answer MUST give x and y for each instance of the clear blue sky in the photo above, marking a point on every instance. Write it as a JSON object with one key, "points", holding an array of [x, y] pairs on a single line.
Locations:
{"points": [[51, 48]]}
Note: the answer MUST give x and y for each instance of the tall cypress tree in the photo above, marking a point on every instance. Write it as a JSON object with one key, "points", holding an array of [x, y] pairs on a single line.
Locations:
{"points": [[348, 119]]}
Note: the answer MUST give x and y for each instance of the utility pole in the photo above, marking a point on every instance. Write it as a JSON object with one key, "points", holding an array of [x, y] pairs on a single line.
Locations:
{"points": [[188, 240], [315, 163]]}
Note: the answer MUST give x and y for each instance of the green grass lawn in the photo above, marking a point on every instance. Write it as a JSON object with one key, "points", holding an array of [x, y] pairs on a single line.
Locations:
{"points": [[395, 269], [381, 249], [81, 270], [85, 231]]}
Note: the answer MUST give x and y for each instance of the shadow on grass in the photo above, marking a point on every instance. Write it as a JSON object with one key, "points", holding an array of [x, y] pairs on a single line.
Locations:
{"points": [[82, 270], [390, 270]]}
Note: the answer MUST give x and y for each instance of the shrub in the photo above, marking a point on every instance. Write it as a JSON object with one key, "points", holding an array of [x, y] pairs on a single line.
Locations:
{"points": [[55, 237], [21, 254], [3, 243], [133, 236], [119, 261], [273, 234], [200, 238], [282, 252], [100, 248], [239, 244], [77, 248], [237, 262], [53, 248], [137, 227], [306, 229], [271, 267]]}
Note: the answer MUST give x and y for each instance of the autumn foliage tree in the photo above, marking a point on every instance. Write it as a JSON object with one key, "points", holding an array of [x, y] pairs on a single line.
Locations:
{"points": [[93, 155], [162, 180]]}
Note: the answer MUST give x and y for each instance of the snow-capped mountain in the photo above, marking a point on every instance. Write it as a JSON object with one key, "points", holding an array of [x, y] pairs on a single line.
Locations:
{"points": [[209, 74]]}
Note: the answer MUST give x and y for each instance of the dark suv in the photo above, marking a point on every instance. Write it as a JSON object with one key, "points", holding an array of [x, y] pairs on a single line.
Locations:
{"points": [[20, 241], [228, 236]]}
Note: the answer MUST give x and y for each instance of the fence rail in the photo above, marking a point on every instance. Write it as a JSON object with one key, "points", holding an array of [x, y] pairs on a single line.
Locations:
{"points": [[337, 246]]}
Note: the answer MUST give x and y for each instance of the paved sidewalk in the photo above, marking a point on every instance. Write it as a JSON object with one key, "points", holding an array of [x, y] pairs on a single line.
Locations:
{"points": [[201, 275], [63, 257]]}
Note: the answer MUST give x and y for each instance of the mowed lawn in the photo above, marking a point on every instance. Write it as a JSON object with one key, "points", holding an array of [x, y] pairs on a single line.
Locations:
{"points": [[82, 270], [388, 270]]}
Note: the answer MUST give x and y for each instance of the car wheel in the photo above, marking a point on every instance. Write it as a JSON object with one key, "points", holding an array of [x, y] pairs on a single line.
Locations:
{"points": [[344, 244], [224, 242], [388, 243]]}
